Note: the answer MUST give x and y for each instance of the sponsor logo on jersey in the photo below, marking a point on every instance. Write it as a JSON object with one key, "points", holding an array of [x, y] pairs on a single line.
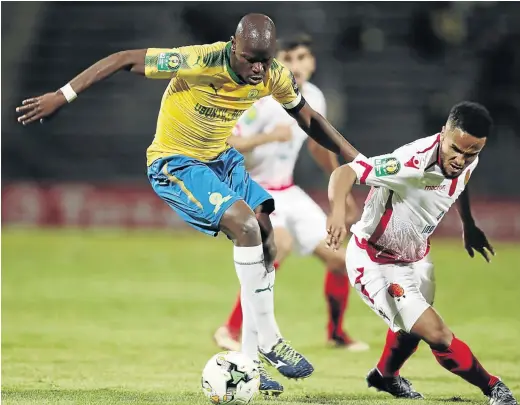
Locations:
{"points": [[223, 114], [387, 166], [169, 62], [435, 188]]}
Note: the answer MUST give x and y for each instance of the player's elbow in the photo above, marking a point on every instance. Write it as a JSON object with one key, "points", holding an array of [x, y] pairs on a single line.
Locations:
{"points": [[132, 60], [341, 181], [344, 175]]}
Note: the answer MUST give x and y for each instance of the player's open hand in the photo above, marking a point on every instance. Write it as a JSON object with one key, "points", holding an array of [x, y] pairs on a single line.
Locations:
{"points": [[37, 108], [474, 239], [336, 230]]}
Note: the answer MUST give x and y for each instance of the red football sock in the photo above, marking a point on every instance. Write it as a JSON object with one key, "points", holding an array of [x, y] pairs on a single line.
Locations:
{"points": [[398, 348], [336, 292], [459, 359], [234, 322]]}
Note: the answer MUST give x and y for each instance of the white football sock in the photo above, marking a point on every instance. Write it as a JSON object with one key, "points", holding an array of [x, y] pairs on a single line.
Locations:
{"points": [[257, 293], [249, 332]]}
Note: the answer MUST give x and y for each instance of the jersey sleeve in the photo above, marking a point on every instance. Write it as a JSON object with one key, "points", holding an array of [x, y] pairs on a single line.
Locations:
{"points": [[285, 90], [252, 122], [390, 170], [164, 63]]}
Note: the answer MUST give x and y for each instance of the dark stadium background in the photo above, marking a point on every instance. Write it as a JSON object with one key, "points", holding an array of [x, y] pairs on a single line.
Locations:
{"points": [[390, 72]]}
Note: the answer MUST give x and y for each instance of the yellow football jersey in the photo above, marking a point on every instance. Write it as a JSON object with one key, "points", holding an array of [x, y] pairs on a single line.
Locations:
{"points": [[205, 98]]}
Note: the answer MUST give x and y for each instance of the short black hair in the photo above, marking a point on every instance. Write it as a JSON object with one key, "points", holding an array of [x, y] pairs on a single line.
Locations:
{"points": [[293, 42], [472, 118]]}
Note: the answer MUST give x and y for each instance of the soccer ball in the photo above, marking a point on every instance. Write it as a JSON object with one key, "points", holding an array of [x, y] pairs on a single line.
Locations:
{"points": [[230, 378]]}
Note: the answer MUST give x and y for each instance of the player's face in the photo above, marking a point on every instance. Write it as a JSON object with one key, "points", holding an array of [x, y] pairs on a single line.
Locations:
{"points": [[253, 63], [300, 62], [458, 150]]}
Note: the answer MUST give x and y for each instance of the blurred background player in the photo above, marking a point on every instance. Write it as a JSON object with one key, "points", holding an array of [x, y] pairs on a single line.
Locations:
{"points": [[271, 141], [210, 87], [388, 254]]}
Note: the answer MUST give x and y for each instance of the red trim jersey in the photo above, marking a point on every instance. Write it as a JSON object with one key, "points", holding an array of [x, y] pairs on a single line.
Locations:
{"points": [[409, 197]]}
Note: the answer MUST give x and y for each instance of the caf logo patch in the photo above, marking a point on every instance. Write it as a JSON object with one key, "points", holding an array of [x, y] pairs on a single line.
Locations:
{"points": [[387, 166], [169, 62]]}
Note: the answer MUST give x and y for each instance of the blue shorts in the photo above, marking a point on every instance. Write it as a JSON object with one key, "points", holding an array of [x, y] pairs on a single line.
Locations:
{"points": [[200, 192]]}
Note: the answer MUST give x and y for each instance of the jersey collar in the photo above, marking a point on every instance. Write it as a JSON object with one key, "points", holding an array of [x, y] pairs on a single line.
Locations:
{"points": [[233, 75]]}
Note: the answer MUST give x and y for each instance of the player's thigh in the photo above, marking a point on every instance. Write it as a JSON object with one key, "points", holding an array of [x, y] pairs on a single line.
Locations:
{"points": [[307, 221], [193, 191], [391, 291], [425, 275]]}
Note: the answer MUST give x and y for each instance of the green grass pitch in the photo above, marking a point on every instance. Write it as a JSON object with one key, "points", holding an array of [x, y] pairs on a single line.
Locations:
{"points": [[116, 317]]}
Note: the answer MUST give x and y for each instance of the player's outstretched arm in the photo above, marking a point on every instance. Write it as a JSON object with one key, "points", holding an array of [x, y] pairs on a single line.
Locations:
{"points": [[35, 108], [280, 133], [328, 162], [322, 131], [340, 186], [474, 238]]}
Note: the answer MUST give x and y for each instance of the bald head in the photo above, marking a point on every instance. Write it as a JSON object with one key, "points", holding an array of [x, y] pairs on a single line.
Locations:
{"points": [[254, 47], [258, 30]]}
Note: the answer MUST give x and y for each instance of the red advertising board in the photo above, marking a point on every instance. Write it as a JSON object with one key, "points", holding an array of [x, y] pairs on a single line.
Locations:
{"points": [[85, 205]]}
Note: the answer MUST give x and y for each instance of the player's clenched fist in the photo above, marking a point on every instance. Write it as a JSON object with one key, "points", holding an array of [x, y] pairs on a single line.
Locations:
{"points": [[336, 230], [37, 108]]}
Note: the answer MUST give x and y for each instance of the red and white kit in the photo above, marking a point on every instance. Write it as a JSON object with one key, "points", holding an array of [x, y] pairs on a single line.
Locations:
{"points": [[387, 256], [272, 166]]}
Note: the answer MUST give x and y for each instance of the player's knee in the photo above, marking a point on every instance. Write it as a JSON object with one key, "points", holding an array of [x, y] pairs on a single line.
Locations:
{"points": [[248, 231], [336, 262], [439, 338]]}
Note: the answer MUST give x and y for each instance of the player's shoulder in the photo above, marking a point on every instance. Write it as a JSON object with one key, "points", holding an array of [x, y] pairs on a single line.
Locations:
{"points": [[206, 55], [279, 73], [419, 153]]}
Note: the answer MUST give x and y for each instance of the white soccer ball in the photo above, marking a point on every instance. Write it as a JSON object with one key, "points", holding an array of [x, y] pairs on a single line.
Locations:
{"points": [[230, 378]]}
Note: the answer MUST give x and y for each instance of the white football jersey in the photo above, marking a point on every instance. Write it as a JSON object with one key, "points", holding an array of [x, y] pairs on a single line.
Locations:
{"points": [[272, 165], [409, 197]]}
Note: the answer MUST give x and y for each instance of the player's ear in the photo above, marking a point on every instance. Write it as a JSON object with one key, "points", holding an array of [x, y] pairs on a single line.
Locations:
{"points": [[233, 44]]}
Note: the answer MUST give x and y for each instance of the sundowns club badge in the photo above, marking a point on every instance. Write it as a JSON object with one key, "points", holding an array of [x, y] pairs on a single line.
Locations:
{"points": [[387, 166]]}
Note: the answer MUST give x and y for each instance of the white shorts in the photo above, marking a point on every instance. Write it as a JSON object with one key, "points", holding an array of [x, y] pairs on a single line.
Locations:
{"points": [[398, 293], [301, 216]]}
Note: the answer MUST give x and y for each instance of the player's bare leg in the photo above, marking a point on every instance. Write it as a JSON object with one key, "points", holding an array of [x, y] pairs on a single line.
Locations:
{"points": [[337, 289]]}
